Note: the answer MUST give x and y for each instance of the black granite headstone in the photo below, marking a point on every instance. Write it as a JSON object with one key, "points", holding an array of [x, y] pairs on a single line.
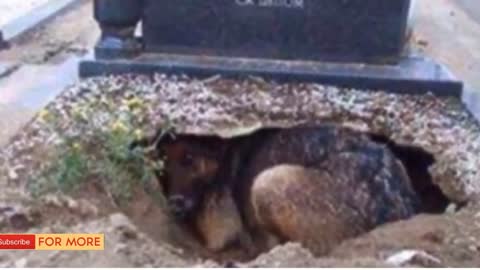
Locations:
{"points": [[346, 30], [349, 43]]}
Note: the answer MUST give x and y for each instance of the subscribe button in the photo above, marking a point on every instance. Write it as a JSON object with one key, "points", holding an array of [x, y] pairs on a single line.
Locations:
{"points": [[52, 241]]}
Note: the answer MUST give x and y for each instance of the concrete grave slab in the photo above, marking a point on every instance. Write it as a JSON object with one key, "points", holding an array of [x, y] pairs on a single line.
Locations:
{"points": [[38, 13]]}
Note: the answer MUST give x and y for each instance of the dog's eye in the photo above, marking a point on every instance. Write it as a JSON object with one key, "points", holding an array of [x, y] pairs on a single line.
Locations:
{"points": [[187, 160]]}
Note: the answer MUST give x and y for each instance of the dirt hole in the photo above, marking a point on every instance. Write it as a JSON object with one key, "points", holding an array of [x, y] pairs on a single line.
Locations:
{"points": [[416, 161]]}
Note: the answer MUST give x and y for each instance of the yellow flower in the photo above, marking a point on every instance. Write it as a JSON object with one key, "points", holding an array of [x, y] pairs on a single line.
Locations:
{"points": [[77, 146], [134, 102], [138, 134], [79, 112], [44, 115], [119, 126]]}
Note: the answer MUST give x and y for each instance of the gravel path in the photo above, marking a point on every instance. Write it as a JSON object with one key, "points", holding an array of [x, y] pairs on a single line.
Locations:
{"points": [[12, 9]]}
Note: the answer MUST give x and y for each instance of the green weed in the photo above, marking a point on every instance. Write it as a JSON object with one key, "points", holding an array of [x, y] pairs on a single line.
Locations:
{"points": [[103, 156]]}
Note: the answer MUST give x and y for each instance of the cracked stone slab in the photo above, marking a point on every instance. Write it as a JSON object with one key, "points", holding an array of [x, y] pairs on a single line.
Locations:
{"points": [[19, 25]]}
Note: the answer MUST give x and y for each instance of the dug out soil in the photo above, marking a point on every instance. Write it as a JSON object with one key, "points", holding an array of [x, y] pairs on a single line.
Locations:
{"points": [[140, 234]]}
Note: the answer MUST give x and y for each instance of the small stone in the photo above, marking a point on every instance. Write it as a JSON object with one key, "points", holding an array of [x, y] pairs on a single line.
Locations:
{"points": [[128, 234], [87, 208], [473, 248], [52, 200], [21, 263], [71, 203], [451, 209], [413, 257], [12, 174], [457, 241], [119, 220], [121, 248]]}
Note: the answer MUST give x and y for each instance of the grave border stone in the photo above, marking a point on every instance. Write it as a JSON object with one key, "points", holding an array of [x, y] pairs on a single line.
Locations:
{"points": [[33, 19]]}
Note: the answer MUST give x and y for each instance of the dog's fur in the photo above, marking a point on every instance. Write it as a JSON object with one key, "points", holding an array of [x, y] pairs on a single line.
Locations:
{"points": [[313, 185]]}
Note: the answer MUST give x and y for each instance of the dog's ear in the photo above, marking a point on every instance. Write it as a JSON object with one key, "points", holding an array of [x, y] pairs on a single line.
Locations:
{"points": [[216, 145]]}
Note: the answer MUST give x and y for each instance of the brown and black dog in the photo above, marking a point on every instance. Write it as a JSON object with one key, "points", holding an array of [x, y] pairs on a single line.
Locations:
{"points": [[313, 185]]}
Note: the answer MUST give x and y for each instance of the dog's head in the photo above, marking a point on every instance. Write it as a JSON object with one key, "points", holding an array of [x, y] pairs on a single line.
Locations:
{"points": [[191, 166]]}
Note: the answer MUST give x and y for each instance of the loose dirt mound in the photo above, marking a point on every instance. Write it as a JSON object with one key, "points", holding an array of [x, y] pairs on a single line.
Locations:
{"points": [[139, 105], [125, 246]]}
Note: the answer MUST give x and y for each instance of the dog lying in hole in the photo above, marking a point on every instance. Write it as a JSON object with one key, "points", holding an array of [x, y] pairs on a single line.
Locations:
{"points": [[313, 185]]}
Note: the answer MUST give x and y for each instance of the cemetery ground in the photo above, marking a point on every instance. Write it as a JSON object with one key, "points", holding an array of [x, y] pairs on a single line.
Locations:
{"points": [[49, 148]]}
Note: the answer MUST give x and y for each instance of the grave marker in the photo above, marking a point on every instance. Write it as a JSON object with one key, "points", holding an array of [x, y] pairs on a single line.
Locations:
{"points": [[353, 43]]}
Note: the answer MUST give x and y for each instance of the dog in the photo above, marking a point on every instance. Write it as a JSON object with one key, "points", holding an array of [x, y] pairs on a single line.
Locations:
{"points": [[314, 185]]}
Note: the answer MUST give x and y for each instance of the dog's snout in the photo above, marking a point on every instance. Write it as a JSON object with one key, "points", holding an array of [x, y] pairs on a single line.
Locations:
{"points": [[177, 201], [178, 205]]}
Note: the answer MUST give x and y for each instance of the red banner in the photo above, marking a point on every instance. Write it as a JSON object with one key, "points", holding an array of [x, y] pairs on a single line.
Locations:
{"points": [[17, 241]]}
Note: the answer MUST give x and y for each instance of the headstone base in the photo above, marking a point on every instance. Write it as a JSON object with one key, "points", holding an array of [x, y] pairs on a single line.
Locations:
{"points": [[411, 75], [117, 48]]}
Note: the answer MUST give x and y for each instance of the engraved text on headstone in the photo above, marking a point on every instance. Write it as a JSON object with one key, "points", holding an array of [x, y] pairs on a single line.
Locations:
{"points": [[272, 3]]}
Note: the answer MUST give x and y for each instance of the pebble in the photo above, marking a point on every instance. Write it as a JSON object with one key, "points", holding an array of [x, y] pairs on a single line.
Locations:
{"points": [[21, 263], [413, 257], [451, 209], [120, 248], [473, 248], [120, 220], [12, 174]]}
